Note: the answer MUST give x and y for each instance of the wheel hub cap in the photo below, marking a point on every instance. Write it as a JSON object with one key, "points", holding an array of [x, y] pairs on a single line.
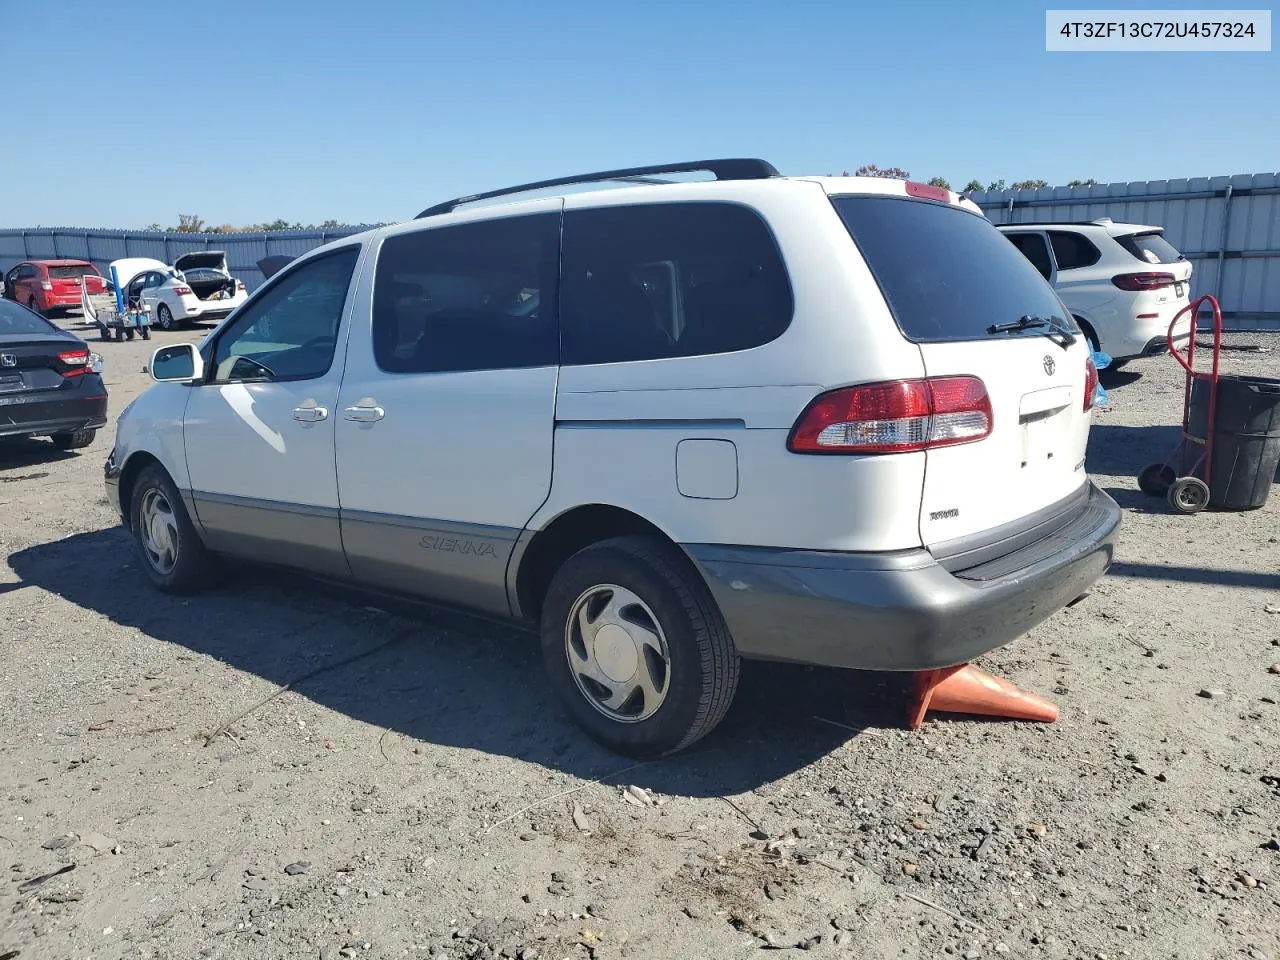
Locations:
{"points": [[617, 653]]}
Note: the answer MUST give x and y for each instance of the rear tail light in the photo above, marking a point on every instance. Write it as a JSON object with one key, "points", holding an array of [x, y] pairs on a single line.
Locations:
{"points": [[46, 285], [182, 291], [1090, 383], [77, 360], [894, 417], [1143, 281]]}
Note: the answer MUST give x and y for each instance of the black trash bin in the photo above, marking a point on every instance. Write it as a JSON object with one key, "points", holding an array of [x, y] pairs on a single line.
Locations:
{"points": [[1246, 439]]}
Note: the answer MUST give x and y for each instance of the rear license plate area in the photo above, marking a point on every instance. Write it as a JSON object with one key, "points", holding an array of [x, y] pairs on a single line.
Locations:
{"points": [[1179, 289], [11, 383], [1043, 439]]}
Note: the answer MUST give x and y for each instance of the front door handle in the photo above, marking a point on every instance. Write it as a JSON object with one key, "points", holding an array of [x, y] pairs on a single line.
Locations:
{"points": [[366, 411], [310, 414]]}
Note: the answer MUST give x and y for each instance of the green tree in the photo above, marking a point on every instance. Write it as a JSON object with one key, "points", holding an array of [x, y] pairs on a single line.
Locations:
{"points": [[1029, 185], [1082, 183], [940, 182], [973, 186], [995, 185], [892, 173]]}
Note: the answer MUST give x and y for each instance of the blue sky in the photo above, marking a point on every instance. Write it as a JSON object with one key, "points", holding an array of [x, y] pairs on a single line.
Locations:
{"points": [[242, 112]]}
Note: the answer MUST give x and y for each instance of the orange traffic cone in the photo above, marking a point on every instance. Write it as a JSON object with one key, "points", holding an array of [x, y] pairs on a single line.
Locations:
{"points": [[966, 689]]}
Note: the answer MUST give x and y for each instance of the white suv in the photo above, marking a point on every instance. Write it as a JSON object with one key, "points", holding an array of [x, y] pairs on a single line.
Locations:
{"points": [[1123, 282], [834, 421]]}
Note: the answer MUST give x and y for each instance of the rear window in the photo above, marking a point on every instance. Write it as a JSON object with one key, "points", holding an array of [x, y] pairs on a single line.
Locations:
{"points": [[946, 274], [70, 273], [20, 320], [1150, 247]]}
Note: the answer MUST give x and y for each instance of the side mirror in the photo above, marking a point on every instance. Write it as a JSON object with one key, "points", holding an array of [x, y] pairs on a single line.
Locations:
{"points": [[180, 363]]}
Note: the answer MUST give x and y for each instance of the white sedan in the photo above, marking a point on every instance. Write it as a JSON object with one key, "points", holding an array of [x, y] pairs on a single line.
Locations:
{"points": [[198, 287]]}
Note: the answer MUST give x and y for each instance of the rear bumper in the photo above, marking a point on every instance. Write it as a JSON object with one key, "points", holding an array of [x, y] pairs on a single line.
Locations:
{"points": [[207, 311], [904, 610], [20, 416]]}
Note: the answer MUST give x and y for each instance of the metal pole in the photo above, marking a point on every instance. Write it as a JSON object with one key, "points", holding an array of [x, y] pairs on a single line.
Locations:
{"points": [[53, 237], [125, 237], [1222, 243]]}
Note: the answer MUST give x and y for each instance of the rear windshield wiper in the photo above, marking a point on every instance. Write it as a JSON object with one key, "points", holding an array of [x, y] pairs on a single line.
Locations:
{"points": [[1055, 325]]}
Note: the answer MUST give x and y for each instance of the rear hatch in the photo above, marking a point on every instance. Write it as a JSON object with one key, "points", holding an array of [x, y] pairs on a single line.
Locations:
{"points": [[1162, 274], [67, 280], [35, 356], [951, 281]]}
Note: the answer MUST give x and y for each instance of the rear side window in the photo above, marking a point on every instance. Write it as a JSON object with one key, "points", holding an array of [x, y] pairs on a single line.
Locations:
{"points": [[1150, 247], [1073, 250], [946, 274], [70, 273], [477, 296], [19, 320], [669, 280], [1035, 249]]}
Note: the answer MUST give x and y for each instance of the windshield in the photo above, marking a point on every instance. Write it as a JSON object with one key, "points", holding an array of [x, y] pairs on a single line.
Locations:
{"points": [[72, 272], [946, 274], [19, 320], [1150, 247]]}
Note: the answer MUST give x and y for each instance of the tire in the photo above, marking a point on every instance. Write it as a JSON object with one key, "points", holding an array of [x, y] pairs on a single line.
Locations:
{"points": [[73, 439], [686, 647], [1090, 336], [164, 317], [171, 552], [1189, 495], [34, 307], [1156, 479]]}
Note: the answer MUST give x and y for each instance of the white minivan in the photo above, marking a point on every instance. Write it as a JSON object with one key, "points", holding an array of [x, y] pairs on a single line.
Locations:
{"points": [[837, 421]]}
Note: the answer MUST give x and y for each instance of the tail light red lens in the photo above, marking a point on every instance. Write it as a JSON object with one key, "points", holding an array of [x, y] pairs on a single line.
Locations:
{"points": [[1143, 281], [77, 360], [1090, 383], [898, 416], [182, 291]]}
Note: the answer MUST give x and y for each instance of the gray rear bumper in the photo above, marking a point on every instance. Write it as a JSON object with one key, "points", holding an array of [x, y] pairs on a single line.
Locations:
{"points": [[903, 610]]}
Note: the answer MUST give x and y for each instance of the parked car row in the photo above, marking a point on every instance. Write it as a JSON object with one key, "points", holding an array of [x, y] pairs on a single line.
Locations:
{"points": [[838, 421], [197, 287]]}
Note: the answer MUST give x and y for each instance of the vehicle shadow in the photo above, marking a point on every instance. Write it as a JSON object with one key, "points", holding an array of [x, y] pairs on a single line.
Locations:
{"points": [[451, 679], [1122, 451], [15, 454], [1116, 379]]}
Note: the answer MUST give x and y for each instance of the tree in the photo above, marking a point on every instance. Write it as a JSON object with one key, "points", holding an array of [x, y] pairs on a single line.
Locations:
{"points": [[973, 186], [892, 173], [940, 182], [189, 223], [995, 185], [1082, 183], [1029, 185]]}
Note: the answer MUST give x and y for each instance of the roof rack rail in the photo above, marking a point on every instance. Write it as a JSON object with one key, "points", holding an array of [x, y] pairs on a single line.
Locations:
{"points": [[727, 169]]}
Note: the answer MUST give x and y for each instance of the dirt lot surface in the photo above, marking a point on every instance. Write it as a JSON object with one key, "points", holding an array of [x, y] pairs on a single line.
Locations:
{"points": [[275, 770]]}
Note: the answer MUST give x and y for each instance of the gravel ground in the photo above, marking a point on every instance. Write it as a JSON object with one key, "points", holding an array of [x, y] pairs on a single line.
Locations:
{"points": [[277, 770]]}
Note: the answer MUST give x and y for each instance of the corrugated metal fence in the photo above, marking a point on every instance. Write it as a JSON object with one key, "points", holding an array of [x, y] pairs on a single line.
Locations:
{"points": [[244, 250], [1229, 227]]}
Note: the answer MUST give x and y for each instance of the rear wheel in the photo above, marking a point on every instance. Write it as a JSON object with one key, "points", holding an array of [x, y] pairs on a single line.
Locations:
{"points": [[1156, 479], [636, 648], [34, 307], [171, 551], [164, 317], [1090, 336], [73, 439]]}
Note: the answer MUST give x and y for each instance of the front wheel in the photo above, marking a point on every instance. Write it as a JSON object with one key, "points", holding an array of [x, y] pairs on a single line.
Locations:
{"points": [[73, 439], [34, 307], [1189, 495], [172, 554], [636, 648]]}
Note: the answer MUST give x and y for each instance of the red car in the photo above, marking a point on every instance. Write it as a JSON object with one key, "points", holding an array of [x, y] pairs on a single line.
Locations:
{"points": [[47, 286]]}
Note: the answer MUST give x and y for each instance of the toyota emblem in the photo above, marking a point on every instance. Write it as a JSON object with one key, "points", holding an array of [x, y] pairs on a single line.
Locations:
{"points": [[1049, 365], [8, 360]]}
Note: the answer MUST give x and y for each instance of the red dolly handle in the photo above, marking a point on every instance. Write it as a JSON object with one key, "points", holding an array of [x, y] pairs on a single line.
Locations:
{"points": [[1193, 308]]}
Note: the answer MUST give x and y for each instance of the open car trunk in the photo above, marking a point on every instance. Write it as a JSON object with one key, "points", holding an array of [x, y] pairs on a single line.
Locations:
{"points": [[207, 275]]}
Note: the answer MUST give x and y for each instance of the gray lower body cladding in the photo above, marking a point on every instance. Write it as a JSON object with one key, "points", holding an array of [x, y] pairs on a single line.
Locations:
{"points": [[904, 610]]}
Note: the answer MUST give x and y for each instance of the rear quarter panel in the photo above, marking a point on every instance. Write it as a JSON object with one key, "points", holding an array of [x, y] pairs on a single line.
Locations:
{"points": [[619, 425]]}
